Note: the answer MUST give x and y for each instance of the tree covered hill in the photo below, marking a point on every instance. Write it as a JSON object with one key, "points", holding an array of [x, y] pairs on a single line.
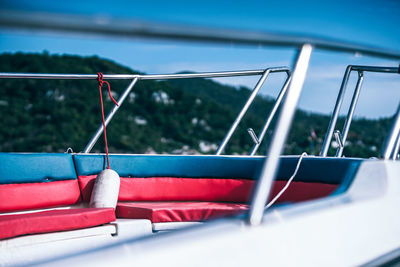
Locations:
{"points": [[175, 116]]}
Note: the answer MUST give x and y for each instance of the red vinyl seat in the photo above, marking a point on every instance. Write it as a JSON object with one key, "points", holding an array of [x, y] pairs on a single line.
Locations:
{"points": [[175, 189], [53, 221], [176, 199], [158, 212], [192, 211], [30, 196], [169, 188]]}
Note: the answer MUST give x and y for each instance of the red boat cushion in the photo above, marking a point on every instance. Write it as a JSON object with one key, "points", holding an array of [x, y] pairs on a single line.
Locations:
{"points": [[38, 195], [201, 211], [53, 220], [178, 211], [176, 189], [204, 189]]}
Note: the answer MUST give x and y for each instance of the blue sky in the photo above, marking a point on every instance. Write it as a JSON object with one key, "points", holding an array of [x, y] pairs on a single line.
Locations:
{"points": [[369, 22]]}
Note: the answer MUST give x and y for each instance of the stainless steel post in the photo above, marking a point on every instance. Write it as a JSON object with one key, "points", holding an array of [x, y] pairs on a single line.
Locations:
{"points": [[350, 113], [335, 114], [242, 112], [390, 142], [271, 116], [396, 148], [286, 115], [110, 115]]}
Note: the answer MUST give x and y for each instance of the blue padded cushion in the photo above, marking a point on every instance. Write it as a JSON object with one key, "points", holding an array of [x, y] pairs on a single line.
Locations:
{"points": [[170, 166], [35, 167], [313, 169]]}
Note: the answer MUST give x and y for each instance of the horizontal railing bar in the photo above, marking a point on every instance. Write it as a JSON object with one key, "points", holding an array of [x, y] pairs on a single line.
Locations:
{"points": [[60, 76], [211, 74], [11, 75], [130, 28], [375, 69]]}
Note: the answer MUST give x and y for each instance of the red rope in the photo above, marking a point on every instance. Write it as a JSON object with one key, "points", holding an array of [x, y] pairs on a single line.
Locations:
{"points": [[101, 82]]}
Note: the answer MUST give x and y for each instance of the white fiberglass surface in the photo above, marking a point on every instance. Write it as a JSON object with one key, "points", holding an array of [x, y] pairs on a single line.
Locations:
{"points": [[344, 230]]}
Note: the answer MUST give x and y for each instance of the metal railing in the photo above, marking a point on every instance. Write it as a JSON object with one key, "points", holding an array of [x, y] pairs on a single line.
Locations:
{"points": [[136, 77], [304, 44], [392, 143], [288, 98], [257, 139], [342, 136], [270, 167], [130, 28]]}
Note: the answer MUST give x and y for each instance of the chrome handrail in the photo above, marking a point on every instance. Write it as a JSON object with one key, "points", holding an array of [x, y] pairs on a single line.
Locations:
{"points": [[219, 74], [246, 106], [131, 28], [391, 145], [136, 77], [284, 122], [396, 149], [350, 113], [271, 115], [339, 101]]}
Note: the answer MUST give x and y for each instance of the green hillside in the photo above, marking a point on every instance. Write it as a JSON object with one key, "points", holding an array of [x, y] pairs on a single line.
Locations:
{"points": [[176, 116]]}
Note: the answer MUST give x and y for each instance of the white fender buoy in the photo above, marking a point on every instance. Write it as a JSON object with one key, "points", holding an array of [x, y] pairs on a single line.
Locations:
{"points": [[105, 190]]}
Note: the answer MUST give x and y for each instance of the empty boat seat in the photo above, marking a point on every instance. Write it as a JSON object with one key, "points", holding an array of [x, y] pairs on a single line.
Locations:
{"points": [[171, 199], [53, 221], [193, 188], [201, 199], [32, 181]]}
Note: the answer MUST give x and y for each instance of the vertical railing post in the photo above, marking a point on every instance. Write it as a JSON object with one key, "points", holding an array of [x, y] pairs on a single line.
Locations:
{"points": [[335, 114], [286, 115], [110, 115], [350, 113], [396, 148], [271, 115], [390, 141], [242, 112]]}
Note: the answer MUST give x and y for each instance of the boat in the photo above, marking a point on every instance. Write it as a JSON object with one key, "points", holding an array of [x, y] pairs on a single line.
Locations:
{"points": [[180, 210]]}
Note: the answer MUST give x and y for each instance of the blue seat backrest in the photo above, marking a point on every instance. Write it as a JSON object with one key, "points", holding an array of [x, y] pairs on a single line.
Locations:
{"points": [[319, 170], [35, 167], [313, 169], [170, 166]]}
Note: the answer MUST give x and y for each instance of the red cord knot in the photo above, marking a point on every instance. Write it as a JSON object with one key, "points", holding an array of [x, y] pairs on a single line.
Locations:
{"points": [[101, 82], [100, 78]]}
